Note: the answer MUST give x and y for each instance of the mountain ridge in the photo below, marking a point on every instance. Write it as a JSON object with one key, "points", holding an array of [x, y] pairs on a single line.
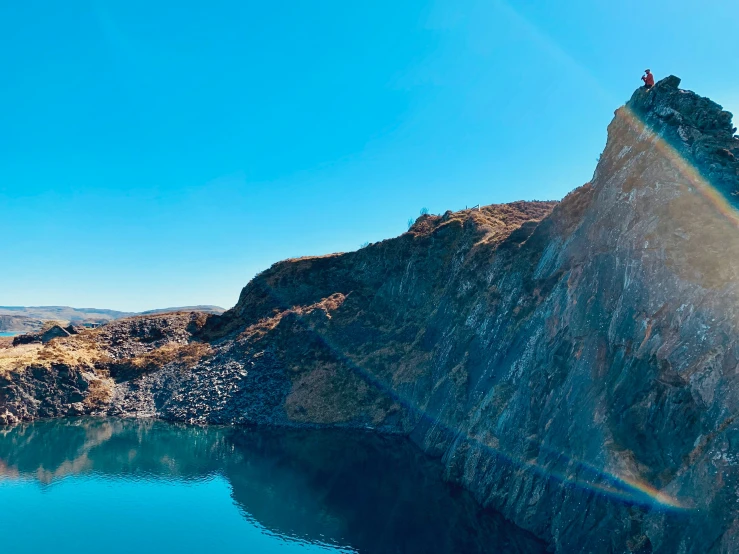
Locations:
{"points": [[32, 318]]}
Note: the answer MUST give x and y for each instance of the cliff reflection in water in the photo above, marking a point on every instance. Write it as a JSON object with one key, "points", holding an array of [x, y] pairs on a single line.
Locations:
{"points": [[361, 491]]}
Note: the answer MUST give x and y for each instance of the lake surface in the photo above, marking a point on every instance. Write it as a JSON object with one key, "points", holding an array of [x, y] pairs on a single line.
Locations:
{"points": [[6, 334], [122, 486]]}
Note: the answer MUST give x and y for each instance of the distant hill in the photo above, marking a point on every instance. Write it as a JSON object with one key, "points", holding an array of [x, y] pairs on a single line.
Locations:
{"points": [[22, 319], [18, 324], [207, 309], [63, 313]]}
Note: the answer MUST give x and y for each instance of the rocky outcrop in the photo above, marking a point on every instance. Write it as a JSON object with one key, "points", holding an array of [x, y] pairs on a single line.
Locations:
{"points": [[85, 373], [698, 129], [574, 365]]}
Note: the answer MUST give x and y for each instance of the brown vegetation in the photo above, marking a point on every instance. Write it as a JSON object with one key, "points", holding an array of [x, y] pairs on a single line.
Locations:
{"points": [[185, 355]]}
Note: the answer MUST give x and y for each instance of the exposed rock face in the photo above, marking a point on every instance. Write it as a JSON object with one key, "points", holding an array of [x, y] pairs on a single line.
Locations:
{"points": [[699, 129], [574, 365]]}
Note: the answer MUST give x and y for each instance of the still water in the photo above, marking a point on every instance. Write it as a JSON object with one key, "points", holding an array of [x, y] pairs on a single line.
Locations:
{"points": [[121, 486], [7, 334]]}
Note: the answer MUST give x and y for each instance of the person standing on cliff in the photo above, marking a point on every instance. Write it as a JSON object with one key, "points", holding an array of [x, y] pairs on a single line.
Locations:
{"points": [[648, 79]]}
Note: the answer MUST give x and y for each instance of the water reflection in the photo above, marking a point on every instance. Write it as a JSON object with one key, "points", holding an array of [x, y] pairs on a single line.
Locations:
{"points": [[368, 493]]}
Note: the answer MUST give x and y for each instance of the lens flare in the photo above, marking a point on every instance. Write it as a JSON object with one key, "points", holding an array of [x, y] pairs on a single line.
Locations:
{"points": [[686, 169]]}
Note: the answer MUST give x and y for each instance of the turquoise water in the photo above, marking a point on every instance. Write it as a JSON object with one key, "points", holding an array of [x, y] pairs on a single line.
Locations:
{"points": [[122, 486], [5, 334]]}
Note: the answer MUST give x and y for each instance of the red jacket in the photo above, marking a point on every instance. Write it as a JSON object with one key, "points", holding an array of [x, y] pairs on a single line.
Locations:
{"points": [[648, 80]]}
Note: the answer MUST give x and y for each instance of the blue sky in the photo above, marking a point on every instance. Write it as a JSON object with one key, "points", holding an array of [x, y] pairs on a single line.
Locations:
{"points": [[161, 153]]}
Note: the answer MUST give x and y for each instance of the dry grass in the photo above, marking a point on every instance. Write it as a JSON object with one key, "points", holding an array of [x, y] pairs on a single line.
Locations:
{"points": [[100, 392], [264, 326], [77, 351], [496, 220], [83, 352], [186, 355], [93, 350], [12, 359]]}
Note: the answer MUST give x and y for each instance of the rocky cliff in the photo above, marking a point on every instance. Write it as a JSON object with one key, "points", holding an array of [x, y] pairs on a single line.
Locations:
{"points": [[573, 364]]}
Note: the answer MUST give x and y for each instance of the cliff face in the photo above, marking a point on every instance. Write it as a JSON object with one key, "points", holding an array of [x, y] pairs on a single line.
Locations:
{"points": [[574, 364]]}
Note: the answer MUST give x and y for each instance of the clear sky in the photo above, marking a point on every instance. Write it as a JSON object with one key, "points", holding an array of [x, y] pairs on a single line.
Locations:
{"points": [[160, 153]]}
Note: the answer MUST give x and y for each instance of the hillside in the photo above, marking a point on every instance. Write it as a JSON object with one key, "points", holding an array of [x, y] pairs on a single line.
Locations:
{"points": [[572, 364], [19, 323], [208, 309], [23, 319]]}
